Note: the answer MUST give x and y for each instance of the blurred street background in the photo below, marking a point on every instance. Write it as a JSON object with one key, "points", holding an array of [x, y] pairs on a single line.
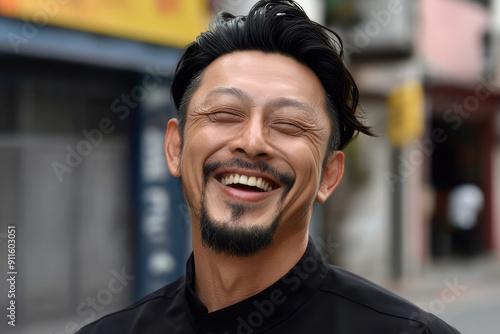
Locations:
{"points": [[100, 222]]}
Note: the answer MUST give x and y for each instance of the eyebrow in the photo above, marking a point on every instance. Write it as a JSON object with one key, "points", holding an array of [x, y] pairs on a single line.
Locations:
{"points": [[228, 91], [284, 102], [278, 103]]}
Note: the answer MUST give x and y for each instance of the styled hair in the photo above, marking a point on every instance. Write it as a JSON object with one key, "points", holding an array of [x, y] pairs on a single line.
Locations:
{"points": [[280, 27]]}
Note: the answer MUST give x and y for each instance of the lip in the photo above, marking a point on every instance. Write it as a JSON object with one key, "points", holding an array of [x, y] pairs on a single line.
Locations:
{"points": [[240, 195], [245, 196], [274, 183]]}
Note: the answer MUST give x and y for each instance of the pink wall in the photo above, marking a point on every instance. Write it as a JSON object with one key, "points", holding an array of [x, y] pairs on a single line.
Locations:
{"points": [[450, 38]]}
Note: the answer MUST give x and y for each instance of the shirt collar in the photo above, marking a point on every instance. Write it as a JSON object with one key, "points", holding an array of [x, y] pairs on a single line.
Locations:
{"points": [[265, 309]]}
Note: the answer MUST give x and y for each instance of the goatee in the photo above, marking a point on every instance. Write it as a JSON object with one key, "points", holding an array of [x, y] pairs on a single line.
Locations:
{"points": [[229, 237]]}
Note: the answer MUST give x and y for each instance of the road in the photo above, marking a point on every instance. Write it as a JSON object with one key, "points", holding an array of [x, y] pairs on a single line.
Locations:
{"points": [[466, 294]]}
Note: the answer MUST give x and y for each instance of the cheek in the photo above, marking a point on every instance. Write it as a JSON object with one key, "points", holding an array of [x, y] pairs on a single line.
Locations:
{"points": [[206, 144], [311, 166], [305, 157], [200, 144], [299, 203], [306, 163]]}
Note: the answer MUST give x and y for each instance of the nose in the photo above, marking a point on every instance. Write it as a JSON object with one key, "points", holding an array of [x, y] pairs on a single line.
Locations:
{"points": [[253, 140]]}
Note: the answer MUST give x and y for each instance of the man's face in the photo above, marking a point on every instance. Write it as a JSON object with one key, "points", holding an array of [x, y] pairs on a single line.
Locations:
{"points": [[254, 141]]}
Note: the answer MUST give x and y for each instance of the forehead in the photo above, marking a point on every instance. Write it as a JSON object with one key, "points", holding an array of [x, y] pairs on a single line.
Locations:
{"points": [[262, 77]]}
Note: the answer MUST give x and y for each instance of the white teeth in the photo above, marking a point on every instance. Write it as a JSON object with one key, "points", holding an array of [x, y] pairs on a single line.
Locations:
{"points": [[252, 181], [244, 179]]}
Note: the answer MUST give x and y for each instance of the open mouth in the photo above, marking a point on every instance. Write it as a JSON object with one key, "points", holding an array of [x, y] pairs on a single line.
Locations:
{"points": [[247, 182]]}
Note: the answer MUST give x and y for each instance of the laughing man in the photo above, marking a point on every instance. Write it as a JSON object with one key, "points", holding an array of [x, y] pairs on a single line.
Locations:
{"points": [[265, 106]]}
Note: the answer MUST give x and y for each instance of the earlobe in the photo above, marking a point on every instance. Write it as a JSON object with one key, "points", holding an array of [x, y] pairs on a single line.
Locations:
{"points": [[332, 174], [172, 146]]}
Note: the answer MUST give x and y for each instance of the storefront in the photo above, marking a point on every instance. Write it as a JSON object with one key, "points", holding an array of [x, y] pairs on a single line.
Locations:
{"points": [[463, 163], [85, 101]]}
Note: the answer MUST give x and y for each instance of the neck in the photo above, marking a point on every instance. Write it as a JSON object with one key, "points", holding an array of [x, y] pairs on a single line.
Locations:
{"points": [[223, 280]]}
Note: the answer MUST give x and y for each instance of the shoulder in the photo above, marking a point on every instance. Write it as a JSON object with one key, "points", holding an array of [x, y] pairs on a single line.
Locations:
{"points": [[125, 320], [379, 305]]}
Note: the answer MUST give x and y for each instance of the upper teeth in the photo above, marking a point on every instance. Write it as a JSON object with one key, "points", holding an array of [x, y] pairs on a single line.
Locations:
{"points": [[247, 180]]}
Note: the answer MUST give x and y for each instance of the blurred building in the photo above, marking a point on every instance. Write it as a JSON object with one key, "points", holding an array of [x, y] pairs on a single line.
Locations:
{"points": [[84, 104], [428, 74]]}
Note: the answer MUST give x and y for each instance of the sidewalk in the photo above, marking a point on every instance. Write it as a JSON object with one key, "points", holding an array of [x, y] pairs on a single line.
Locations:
{"points": [[463, 292]]}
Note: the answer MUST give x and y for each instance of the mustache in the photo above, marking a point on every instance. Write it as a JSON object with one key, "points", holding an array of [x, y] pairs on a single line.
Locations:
{"points": [[286, 179]]}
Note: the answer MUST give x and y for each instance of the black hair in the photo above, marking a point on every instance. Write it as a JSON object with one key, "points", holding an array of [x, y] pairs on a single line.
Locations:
{"points": [[282, 27]]}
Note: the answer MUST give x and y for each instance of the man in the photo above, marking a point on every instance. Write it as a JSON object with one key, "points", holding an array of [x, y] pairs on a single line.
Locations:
{"points": [[265, 106]]}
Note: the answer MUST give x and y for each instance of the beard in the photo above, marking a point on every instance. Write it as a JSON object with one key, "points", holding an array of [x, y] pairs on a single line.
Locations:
{"points": [[229, 236]]}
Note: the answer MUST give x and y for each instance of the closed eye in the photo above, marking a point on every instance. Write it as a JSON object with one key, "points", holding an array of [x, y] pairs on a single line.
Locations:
{"points": [[288, 128], [225, 117]]}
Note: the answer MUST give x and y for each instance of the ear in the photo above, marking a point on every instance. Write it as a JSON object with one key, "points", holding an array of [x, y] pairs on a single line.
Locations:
{"points": [[172, 146], [332, 174]]}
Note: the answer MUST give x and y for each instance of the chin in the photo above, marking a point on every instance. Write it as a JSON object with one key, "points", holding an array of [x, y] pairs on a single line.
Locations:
{"points": [[237, 239]]}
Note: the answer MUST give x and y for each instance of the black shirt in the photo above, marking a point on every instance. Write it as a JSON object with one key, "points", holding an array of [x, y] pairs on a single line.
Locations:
{"points": [[314, 297]]}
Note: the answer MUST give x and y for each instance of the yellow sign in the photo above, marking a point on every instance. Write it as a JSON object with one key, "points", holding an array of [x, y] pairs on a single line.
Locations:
{"points": [[167, 22], [406, 113]]}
